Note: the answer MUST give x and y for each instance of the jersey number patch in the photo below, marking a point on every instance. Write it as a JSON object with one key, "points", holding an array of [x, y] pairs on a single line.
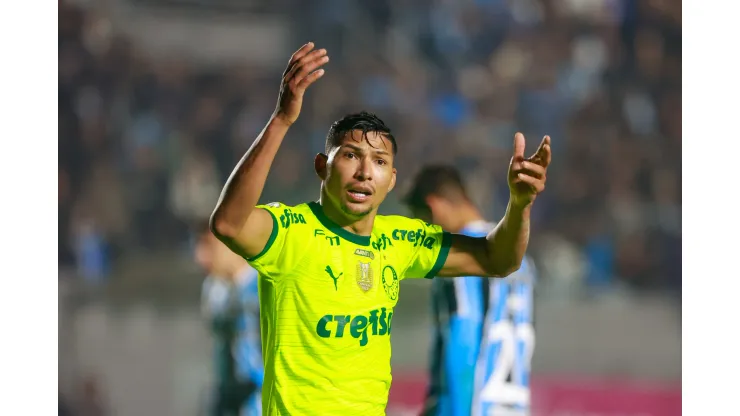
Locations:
{"points": [[509, 337]]}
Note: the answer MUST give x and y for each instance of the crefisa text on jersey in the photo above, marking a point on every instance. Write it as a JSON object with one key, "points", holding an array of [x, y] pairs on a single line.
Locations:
{"points": [[377, 321], [415, 237], [290, 217]]}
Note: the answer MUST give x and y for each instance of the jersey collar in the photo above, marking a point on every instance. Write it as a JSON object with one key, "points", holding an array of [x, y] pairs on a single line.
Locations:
{"points": [[335, 228]]}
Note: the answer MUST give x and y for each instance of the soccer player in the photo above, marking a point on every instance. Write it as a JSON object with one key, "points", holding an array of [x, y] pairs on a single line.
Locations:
{"points": [[330, 269], [489, 362], [231, 306]]}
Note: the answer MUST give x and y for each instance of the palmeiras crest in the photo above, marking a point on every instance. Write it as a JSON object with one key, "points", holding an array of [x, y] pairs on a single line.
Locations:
{"points": [[390, 282], [364, 276]]}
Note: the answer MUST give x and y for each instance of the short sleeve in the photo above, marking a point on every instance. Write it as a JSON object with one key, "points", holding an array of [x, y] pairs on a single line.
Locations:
{"points": [[430, 246], [273, 254]]}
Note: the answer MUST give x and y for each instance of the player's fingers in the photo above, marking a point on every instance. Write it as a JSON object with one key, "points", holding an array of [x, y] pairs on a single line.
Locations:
{"points": [[305, 60], [297, 56], [545, 140], [547, 155], [542, 155], [310, 79], [533, 169], [519, 145], [538, 185], [301, 52], [307, 69]]}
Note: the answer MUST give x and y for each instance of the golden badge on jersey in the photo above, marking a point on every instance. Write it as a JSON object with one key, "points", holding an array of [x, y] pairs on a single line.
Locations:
{"points": [[364, 276]]}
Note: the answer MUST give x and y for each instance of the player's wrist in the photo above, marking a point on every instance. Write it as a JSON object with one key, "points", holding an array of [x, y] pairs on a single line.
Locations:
{"points": [[520, 204], [280, 120]]}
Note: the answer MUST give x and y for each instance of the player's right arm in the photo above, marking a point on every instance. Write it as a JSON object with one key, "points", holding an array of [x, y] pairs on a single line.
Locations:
{"points": [[235, 221]]}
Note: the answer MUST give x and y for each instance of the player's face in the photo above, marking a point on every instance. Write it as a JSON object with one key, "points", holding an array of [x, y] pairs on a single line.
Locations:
{"points": [[359, 173]]}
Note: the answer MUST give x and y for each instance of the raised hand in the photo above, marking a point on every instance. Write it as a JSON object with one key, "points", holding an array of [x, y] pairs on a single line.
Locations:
{"points": [[302, 71], [527, 177]]}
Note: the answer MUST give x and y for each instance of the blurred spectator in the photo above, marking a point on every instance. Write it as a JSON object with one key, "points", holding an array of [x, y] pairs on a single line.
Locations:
{"points": [[194, 187]]}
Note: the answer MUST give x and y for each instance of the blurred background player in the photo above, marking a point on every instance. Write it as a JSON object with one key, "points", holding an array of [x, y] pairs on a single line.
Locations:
{"points": [[483, 336], [230, 304]]}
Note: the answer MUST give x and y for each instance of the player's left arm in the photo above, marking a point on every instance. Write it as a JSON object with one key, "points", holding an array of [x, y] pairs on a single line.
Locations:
{"points": [[500, 253]]}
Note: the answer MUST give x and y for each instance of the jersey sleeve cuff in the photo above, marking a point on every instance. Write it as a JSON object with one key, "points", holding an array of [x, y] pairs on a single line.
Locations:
{"points": [[442, 256], [271, 240]]}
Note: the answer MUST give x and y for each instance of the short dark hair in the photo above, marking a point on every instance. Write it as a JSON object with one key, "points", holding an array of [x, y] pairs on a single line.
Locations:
{"points": [[363, 121], [440, 180]]}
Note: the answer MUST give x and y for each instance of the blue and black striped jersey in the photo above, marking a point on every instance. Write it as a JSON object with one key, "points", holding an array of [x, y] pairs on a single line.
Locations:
{"points": [[466, 311], [232, 311]]}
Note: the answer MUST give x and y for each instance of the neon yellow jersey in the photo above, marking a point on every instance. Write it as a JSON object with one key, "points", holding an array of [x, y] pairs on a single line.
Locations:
{"points": [[326, 307]]}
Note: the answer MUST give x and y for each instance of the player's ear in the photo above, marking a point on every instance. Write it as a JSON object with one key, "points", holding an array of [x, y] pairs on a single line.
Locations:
{"points": [[319, 165], [393, 181]]}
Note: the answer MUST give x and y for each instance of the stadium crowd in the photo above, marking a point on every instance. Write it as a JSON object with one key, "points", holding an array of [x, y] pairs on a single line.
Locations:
{"points": [[146, 142]]}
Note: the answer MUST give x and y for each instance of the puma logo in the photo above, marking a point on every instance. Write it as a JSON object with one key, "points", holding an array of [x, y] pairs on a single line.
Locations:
{"points": [[331, 274]]}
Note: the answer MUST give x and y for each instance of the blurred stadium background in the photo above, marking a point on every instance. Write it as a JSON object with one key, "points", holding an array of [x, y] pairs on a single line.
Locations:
{"points": [[159, 98]]}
